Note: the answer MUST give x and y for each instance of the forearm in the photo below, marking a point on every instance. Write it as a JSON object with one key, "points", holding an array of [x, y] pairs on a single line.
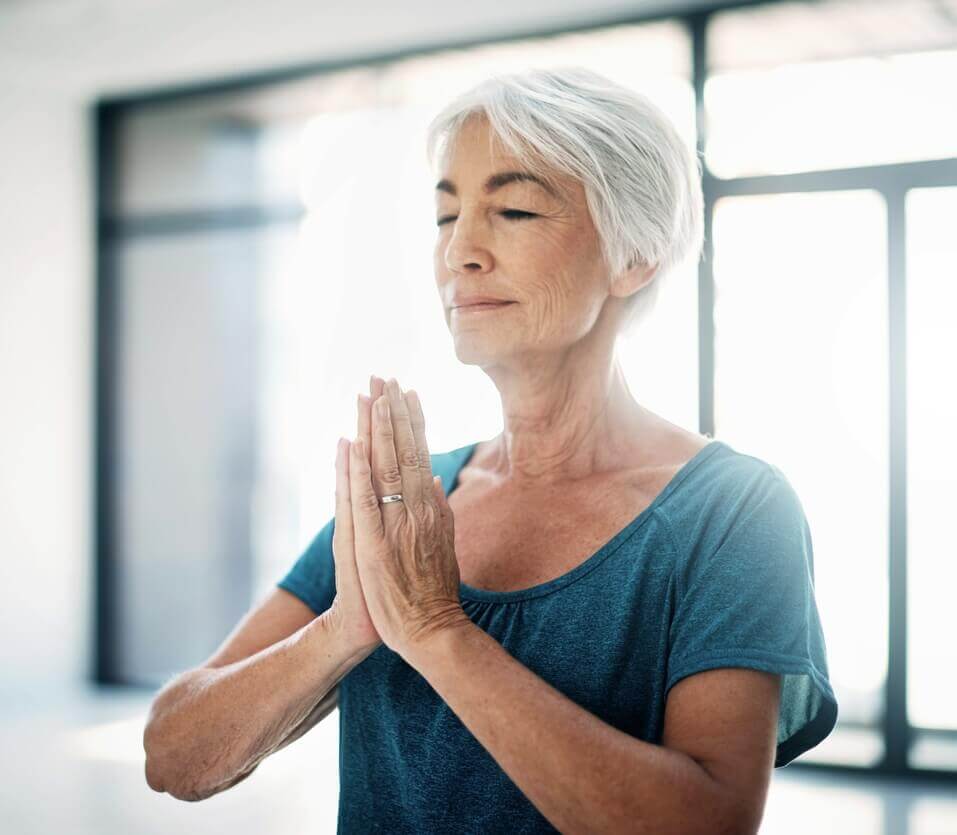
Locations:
{"points": [[581, 773], [319, 712], [209, 726]]}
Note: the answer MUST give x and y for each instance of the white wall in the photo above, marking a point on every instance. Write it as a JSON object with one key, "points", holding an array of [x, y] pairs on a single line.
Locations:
{"points": [[55, 58]]}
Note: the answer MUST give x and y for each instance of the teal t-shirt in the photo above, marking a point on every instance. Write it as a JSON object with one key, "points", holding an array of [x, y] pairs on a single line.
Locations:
{"points": [[717, 571]]}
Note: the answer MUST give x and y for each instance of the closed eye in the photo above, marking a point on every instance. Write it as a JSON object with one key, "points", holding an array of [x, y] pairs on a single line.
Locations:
{"points": [[511, 214]]}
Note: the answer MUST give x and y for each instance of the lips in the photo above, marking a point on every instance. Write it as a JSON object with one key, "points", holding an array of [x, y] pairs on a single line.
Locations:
{"points": [[464, 300], [482, 307]]}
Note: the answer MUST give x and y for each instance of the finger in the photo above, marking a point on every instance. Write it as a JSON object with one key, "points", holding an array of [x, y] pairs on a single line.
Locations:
{"points": [[388, 477], [364, 419], [417, 419], [375, 391], [364, 503], [405, 451]]}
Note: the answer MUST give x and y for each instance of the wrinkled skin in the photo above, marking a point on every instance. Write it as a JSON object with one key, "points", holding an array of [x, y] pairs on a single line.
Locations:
{"points": [[404, 551]]}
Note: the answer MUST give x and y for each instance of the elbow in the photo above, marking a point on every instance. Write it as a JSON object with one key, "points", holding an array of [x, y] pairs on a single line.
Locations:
{"points": [[157, 780], [161, 772], [727, 812], [154, 779], [155, 775], [741, 821]]}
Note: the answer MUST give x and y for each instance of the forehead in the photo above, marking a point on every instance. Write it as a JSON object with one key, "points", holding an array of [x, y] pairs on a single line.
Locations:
{"points": [[475, 139], [474, 155]]}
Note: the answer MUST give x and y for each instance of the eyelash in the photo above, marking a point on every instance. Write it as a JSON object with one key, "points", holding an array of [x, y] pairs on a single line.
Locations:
{"points": [[513, 214]]}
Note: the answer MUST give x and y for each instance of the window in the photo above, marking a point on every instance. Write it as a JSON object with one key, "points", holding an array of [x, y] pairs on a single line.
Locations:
{"points": [[800, 86], [801, 381], [931, 468]]}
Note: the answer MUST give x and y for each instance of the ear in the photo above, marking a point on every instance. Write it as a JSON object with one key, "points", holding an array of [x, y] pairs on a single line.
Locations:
{"points": [[635, 276]]}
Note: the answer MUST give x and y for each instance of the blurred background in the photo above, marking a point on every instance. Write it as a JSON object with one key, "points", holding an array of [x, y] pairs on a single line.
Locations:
{"points": [[206, 208]]}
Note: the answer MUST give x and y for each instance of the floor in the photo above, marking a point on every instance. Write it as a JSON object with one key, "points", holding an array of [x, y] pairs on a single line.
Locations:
{"points": [[74, 763]]}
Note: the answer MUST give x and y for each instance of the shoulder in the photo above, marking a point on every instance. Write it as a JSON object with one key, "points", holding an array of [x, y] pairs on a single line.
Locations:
{"points": [[730, 478], [734, 497], [749, 483]]}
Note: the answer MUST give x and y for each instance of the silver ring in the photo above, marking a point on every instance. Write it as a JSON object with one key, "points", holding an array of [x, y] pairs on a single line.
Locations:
{"points": [[395, 497]]}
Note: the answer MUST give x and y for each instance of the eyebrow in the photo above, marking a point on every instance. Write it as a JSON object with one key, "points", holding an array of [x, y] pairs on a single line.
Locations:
{"points": [[496, 181]]}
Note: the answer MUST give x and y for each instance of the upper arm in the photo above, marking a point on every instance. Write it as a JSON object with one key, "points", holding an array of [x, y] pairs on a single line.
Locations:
{"points": [[726, 720], [275, 617]]}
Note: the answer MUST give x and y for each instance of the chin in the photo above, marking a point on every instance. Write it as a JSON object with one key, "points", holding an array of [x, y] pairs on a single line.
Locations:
{"points": [[474, 349]]}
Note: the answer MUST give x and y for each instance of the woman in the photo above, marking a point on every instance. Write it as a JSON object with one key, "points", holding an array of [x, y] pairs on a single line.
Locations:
{"points": [[608, 622]]}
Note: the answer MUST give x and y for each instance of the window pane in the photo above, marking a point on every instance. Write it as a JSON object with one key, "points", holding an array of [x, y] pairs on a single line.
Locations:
{"points": [[221, 151], [669, 385], [805, 86], [187, 395], [801, 381], [931, 457], [651, 56], [795, 32]]}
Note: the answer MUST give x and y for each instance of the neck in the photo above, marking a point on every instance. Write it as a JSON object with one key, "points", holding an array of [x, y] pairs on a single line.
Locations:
{"points": [[565, 417]]}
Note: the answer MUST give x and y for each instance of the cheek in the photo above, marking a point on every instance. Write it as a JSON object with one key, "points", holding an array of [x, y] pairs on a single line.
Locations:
{"points": [[565, 285], [438, 258], [556, 267]]}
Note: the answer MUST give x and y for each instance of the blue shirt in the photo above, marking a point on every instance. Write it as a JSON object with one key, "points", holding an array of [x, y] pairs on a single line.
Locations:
{"points": [[717, 571]]}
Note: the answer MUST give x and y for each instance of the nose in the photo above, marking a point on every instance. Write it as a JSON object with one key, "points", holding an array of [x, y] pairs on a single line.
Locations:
{"points": [[467, 248]]}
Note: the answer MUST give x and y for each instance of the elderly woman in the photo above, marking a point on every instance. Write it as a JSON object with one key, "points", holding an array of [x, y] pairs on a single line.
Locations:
{"points": [[596, 621]]}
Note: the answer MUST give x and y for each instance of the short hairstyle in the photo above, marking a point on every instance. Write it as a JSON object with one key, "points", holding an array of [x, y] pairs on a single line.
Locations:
{"points": [[641, 180]]}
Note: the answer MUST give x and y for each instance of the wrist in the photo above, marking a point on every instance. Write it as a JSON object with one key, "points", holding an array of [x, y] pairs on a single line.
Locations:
{"points": [[438, 641], [356, 646]]}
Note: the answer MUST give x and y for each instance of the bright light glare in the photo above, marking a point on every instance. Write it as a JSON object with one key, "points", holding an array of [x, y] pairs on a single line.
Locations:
{"points": [[931, 457], [118, 741], [832, 114], [801, 382]]}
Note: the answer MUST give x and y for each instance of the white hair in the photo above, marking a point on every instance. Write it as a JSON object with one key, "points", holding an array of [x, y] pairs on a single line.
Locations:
{"points": [[642, 182]]}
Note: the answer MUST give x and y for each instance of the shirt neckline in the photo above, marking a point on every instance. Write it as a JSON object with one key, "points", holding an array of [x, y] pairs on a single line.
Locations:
{"points": [[467, 592]]}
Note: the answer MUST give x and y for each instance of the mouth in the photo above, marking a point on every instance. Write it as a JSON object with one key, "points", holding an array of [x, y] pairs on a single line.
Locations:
{"points": [[477, 308]]}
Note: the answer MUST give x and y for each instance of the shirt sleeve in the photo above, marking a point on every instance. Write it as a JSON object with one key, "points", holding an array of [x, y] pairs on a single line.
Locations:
{"points": [[745, 598], [312, 577]]}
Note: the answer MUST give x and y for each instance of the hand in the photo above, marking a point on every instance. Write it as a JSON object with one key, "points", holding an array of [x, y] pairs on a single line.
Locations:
{"points": [[405, 551], [349, 610]]}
